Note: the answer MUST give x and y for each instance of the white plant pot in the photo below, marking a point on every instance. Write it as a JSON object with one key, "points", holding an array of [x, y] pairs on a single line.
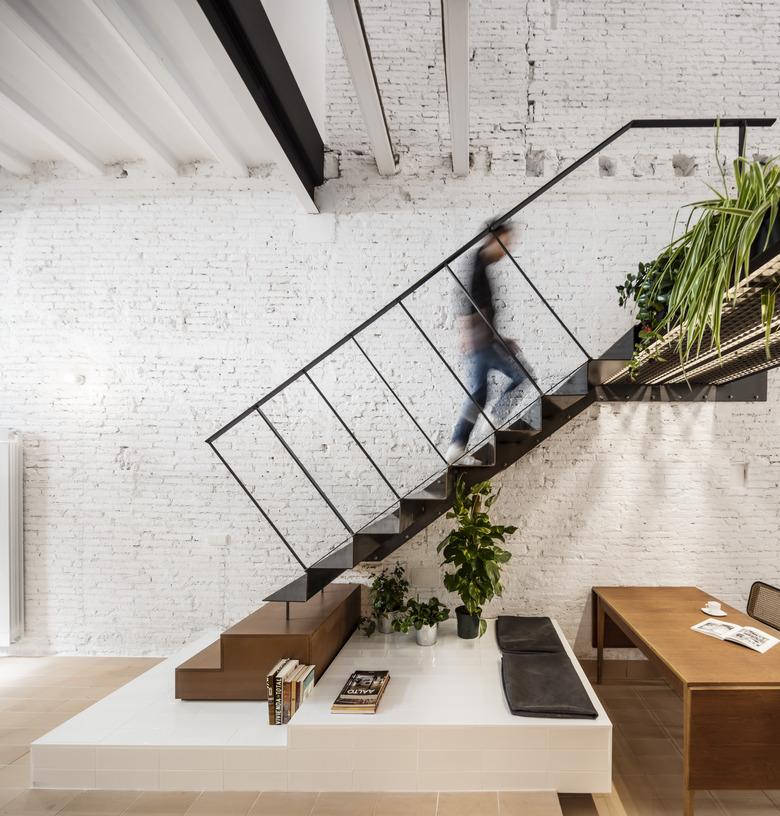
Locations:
{"points": [[384, 625], [427, 635]]}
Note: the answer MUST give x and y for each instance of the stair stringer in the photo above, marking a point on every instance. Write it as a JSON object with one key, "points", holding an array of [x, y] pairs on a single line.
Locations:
{"points": [[507, 454]]}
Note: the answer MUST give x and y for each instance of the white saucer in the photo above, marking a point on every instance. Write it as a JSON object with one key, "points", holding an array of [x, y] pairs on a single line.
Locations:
{"points": [[720, 614]]}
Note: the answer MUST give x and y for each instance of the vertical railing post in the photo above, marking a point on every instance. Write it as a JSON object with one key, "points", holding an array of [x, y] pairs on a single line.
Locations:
{"points": [[257, 505], [352, 435], [399, 400], [449, 368], [541, 296], [495, 332], [742, 137], [314, 482]]}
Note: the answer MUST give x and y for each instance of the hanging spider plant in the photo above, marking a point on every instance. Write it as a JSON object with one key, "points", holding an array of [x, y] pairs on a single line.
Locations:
{"points": [[713, 255]]}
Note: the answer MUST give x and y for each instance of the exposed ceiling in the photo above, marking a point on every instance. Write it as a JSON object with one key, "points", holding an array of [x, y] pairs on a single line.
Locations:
{"points": [[232, 83], [96, 82]]}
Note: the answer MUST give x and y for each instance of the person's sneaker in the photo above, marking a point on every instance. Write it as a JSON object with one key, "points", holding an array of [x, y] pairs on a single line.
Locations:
{"points": [[456, 455], [454, 452]]}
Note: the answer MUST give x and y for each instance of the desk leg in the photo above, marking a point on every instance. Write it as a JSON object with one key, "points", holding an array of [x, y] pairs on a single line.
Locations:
{"points": [[600, 619], [688, 794]]}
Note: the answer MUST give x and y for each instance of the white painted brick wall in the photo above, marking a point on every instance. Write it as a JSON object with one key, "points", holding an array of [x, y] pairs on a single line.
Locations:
{"points": [[184, 301]]}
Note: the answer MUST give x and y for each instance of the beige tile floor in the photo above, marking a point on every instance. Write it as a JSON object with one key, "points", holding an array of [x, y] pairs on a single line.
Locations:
{"points": [[36, 694]]}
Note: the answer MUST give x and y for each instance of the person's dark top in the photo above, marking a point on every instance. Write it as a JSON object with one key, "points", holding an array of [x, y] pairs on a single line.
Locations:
{"points": [[480, 289]]}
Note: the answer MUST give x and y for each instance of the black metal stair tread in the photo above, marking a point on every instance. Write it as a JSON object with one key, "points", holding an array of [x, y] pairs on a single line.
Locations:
{"points": [[347, 555], [575, 383], [435, 490], [305, 586], [483, 456], [511, 435], [554, 404], [389, 524], [528, 419]]}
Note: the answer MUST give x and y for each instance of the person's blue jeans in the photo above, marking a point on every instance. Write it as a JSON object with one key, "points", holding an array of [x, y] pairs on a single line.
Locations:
{"points": [[493, 358]]}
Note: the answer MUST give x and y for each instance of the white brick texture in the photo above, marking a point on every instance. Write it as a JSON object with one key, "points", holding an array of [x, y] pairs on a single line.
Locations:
{"points": [[182, 301]]}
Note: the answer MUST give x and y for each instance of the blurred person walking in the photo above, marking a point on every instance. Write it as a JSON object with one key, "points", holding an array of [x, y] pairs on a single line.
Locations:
{"points": [[482, 347]]}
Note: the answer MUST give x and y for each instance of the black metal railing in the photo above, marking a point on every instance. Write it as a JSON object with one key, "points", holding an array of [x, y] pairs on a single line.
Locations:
{"points": [[402, 303]]}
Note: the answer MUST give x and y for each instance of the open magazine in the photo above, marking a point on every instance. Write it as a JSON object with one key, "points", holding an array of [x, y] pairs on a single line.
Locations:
{"points": [[744, 635]]}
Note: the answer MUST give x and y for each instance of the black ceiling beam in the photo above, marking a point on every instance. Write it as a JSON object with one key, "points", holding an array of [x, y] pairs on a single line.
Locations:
{"points": [[248, 38]]}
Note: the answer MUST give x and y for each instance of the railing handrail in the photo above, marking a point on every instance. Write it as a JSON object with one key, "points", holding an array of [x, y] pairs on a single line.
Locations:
{"points": [[741, 123]]}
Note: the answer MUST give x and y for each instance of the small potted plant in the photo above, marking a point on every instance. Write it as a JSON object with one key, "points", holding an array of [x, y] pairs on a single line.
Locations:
{"points": [[424, 617], [387, 595], [473, 550]]}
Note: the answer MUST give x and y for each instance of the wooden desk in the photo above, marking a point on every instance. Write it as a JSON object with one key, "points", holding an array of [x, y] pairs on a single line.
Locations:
{"points": [[731, 695]]}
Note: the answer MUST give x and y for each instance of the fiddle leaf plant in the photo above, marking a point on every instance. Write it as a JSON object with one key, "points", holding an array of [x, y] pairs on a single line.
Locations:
{"points": [[421, 613], [473, 548], [387, 595]]}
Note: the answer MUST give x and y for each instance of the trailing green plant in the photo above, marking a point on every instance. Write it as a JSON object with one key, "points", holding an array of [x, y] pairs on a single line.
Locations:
{"points": [[712, 256], [648, 292], [387, 594], [473, 550], [421, 613]]}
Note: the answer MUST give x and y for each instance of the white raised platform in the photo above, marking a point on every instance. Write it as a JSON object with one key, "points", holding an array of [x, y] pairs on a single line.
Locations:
{"points": [[443, 724]]}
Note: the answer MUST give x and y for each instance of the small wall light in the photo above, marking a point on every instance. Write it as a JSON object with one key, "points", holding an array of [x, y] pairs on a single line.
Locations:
{"points": [[73, 378]]}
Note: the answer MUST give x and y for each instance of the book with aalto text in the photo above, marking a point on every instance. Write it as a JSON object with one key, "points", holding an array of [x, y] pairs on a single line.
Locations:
{"points": [[734, 633], [362, 692]]}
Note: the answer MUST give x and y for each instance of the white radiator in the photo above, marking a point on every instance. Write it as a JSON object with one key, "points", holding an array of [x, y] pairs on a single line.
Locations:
{"points": [[11, 544]]}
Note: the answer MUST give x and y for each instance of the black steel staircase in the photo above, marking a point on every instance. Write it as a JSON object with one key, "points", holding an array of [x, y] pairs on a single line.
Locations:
{"points": [[545, 404]]}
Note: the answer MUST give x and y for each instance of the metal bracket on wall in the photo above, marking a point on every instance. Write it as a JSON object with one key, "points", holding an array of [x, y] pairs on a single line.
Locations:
{"points": [[752, 388]]}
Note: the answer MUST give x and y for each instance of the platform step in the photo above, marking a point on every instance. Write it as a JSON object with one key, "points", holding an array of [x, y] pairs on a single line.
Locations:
{"points": [[207, 659], [235, 666]]}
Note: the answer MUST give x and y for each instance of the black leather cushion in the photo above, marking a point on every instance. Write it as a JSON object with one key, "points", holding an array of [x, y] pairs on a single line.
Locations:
{"points": [[539, 684], [515, 634]]}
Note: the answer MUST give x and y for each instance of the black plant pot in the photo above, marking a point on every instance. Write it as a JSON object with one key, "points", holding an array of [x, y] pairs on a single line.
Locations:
{"points": [[763, 234], [468, 625]]}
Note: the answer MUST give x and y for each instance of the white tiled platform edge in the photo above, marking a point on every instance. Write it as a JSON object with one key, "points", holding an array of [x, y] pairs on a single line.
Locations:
{"points": [[442, 725]]}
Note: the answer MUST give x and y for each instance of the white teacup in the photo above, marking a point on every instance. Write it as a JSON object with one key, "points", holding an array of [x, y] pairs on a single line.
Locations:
{"points": [[712, 606]]}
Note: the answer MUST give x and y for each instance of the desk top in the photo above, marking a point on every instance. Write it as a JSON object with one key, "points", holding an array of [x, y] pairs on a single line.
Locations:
{"points": [[661, 617]]}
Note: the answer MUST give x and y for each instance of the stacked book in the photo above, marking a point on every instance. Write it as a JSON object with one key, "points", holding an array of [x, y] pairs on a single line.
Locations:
{"points": [[288, 684], [362, 693]]}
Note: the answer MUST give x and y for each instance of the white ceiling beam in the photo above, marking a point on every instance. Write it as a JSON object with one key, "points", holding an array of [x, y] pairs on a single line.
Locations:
{"points": [[222, 63], [354, 44], [140, 43], [455, 30], [64, 145], [14, 162], [28, 26]]}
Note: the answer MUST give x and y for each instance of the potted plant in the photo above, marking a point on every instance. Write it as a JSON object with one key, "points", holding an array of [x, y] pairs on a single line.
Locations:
{"points": [[473, 550], [424, 617], [695, 274], [387, 596]]}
